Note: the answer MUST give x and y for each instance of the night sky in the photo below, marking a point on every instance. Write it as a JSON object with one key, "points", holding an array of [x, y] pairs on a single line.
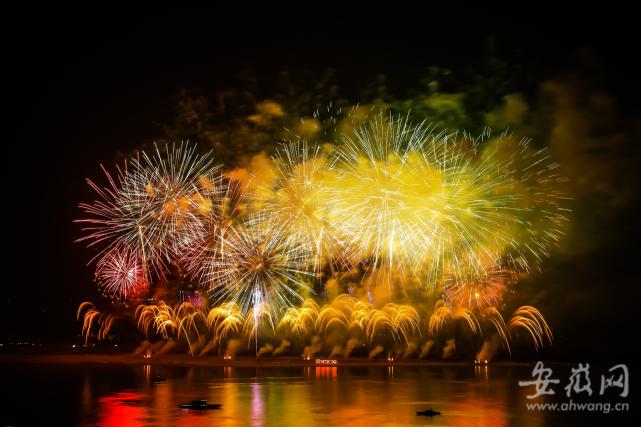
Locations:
{"points": [[84, 88]]}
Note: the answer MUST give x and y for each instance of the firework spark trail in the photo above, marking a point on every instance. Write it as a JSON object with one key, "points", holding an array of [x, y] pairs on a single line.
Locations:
{"points": [[171, 322], [540, 204], [149, 203], [442, 313], [341, 314], [400, 321], [438, 205], [346, 315], [252, 322], [120, 274], [531, 319], [478, 292], [190, 318], [257, 301], [495, 317], [258, 256], [224, 322], [158, 318], [205, 238], [439, 317], [300, 321], [177, 185], [300, 200], [94, 319], [393, 205], [379, 192]]}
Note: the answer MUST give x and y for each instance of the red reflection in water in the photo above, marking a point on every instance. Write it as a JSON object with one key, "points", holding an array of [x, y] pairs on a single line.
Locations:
{"points": [[121, 409], [326, 371]]}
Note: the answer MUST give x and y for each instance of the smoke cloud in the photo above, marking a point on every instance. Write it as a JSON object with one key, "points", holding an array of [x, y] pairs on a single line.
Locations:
{"points": [[266, 349], [376, 351], [449, 349], [314, 347], [282, 348], [425, 349]]}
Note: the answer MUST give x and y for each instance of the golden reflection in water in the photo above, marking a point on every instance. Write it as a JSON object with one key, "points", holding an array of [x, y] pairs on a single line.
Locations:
{"points": [[486, 404], [163, 404], [481, 372], [321, 395], [231, 397], [146, 369]]}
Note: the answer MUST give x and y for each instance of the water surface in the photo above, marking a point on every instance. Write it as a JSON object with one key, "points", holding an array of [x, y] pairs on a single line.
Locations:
{"points": [[125, 395]]}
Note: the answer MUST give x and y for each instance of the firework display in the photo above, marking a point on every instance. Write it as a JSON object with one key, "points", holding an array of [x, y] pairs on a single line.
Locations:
{"points": [[393, 237]]}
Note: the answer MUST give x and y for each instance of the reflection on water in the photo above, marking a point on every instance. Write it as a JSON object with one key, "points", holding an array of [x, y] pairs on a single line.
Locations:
{"points": [[121, 395], [325, 371], [119, 407]]}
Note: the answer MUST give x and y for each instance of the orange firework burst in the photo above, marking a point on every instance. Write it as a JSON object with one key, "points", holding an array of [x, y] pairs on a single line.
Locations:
{"points": [[478, 292], [94, 322]]}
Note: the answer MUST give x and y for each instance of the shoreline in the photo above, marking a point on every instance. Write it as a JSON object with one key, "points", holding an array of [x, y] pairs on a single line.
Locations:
{"points": [[213, 361]]}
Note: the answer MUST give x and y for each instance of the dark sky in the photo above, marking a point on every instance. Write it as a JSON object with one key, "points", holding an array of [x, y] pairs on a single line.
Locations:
{"points": [[85, 85]]}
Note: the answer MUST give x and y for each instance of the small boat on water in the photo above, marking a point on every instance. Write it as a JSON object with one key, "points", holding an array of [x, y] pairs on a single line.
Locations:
{"points": [[200, 405], [428, 413], [158, 379]]}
